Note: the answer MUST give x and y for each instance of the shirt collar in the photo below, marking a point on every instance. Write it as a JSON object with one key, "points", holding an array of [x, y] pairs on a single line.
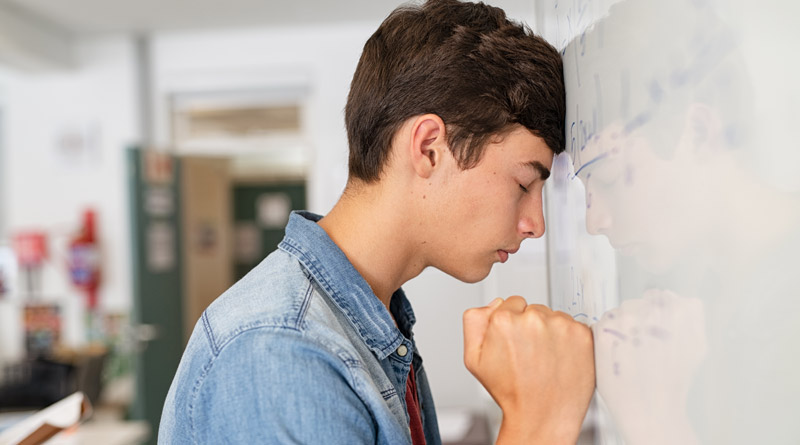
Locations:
{"points": [[329, 266]]}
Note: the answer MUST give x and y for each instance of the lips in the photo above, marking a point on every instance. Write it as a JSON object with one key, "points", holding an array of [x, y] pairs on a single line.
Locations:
{"points": [[505, 253]]}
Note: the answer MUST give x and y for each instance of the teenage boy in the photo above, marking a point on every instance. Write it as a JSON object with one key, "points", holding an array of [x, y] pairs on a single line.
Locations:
{"points": [[453, 118]]}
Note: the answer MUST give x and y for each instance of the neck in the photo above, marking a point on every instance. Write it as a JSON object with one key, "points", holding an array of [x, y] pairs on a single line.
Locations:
{"points": [[377, 237]]}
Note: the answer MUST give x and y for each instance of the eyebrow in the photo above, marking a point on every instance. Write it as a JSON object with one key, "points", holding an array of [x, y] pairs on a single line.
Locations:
{"points": [[543, 171]]}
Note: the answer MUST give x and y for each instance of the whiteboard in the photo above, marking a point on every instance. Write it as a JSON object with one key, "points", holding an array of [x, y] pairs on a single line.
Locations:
{"points": [[673, 218]]}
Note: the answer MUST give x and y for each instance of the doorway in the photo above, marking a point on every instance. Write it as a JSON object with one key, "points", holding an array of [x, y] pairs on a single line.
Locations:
{"points": [[260, 214]]}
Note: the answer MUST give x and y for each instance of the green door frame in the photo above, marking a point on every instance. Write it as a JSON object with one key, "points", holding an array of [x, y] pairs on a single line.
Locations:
{"points": [[154, 185]]}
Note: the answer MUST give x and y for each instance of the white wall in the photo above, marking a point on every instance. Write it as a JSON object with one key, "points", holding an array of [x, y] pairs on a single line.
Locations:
{"points": [[48, 189], [3, 177]]}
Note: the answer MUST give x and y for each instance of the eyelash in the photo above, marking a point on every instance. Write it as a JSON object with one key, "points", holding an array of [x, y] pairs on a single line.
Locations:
{"points": [[524, 190]]}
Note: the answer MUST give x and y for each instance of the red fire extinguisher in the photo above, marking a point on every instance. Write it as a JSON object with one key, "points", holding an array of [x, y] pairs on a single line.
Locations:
{"points": [[84, 259], [31, 249]]}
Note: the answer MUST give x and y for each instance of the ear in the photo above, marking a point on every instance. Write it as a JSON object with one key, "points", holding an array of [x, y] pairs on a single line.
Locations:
{"points": [[428, 144]]}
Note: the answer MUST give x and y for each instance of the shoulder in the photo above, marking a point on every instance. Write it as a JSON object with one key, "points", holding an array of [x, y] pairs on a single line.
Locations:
{"points": [[284, 382], [274, 345], [278, 305], [276, 293]]}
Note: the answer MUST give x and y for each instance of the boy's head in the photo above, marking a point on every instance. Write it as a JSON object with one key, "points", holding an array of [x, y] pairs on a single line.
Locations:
{"points": [[453, 118], [482, 74]]}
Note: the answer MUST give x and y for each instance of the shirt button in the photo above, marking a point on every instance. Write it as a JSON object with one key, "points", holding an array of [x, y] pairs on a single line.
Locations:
{"points": [[402, 350]]}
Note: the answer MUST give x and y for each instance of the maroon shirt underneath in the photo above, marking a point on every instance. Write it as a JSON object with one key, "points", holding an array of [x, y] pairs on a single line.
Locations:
{"points": [[412, 402]]}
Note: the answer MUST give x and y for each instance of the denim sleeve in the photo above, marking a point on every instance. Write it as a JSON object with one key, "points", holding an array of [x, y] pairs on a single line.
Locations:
{"points": [[276, 386]]}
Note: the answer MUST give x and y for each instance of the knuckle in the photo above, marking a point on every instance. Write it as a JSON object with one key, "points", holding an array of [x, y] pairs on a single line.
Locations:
{"points": [[469, 313], [535, 316], [472, 314], [469, 363], [516, 299], [562, 318], [539, 308], [563, 314], [501, 318], [583, 335]]}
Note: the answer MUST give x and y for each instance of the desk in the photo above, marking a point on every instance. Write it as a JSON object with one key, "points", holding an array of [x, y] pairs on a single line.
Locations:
{"points": [[115, 432]]}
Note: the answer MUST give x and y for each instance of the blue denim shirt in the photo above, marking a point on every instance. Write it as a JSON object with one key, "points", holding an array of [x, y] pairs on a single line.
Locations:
{"points": [[300, 350]]}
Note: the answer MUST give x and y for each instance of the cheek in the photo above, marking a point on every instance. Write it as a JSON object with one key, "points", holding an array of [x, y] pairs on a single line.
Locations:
{"points": [[479, 195], [487, 205], [496, 200]]}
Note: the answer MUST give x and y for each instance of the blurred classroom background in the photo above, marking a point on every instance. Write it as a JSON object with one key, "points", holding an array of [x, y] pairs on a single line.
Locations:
{"points": [[150, 153]]}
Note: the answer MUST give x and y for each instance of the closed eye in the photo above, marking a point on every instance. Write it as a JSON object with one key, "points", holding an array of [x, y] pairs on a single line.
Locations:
{"points": [[524, 190]]}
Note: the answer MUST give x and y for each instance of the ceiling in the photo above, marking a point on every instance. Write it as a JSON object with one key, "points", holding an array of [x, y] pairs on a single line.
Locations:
{"points": [[82, 17]]}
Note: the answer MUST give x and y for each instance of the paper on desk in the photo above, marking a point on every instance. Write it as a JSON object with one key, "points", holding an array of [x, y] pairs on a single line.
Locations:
{"points": [[44, 424]]}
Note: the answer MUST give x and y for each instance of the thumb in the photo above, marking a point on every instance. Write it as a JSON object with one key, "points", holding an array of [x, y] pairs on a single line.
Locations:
{"points": [[475, 322]]}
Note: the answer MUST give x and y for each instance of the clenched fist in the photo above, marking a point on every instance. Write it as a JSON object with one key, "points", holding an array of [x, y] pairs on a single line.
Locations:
{"points": [[537, 364]]}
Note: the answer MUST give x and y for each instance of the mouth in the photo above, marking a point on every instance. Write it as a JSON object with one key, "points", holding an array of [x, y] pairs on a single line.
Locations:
{"points": [[504, 254]]}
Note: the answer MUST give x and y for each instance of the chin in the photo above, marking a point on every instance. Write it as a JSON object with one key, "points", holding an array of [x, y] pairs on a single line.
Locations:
{"points": [[473, 275], [463, 269]]}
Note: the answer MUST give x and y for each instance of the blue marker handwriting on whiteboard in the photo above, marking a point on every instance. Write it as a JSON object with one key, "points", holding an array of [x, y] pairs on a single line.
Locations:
{"points": [[656, 92], [592, 161], [615, 333], [638, 121]]}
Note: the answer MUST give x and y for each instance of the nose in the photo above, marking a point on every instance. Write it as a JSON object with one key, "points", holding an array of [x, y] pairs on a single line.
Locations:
{"points": [[598, 218], [531, 220]]}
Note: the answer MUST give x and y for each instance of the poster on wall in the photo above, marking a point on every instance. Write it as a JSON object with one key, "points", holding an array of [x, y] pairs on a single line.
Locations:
{"points": [[248, 242], [78, 145], [42, 324], [273, 210], [160, 247]]}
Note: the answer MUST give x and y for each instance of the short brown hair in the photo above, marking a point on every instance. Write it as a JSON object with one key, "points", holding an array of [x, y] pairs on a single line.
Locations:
{"points": [[466, 63]]}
